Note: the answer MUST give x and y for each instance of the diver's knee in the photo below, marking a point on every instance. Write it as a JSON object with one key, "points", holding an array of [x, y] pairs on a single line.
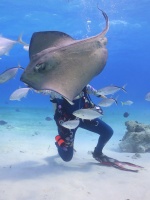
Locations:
{"points": [[66, 158], [66, 155]]}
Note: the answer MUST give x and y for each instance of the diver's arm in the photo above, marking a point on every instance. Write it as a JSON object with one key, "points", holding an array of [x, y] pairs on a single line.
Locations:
{"points": [[91, 90], [54, 106], [53, 98]]}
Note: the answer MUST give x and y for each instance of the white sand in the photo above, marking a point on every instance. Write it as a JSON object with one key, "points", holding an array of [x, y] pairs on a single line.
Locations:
{"points": [[30, 168]]}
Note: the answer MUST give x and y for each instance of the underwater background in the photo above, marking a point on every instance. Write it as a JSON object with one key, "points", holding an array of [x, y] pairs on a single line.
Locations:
{"points": [[128, 45], [30, 167]]}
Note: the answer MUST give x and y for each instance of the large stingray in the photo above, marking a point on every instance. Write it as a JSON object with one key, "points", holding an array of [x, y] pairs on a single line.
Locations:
{"points": [[62, 64]]}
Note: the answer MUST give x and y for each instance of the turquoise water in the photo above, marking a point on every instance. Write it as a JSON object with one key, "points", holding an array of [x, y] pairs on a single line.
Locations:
{"points": [[128, 41], [29, 165], [128, 47]]}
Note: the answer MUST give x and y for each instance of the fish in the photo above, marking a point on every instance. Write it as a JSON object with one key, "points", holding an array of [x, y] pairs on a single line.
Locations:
{"points": [[9, 74], [147, 97], [65, 65], [126, 114], [107, 102], [110, 90], [87, 113], [3, 51], [128, 103], [19, 94], [71, 124], [7, 44]]}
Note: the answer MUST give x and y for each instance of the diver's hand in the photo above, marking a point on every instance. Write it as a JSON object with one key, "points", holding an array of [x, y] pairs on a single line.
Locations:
{"points": [[98, 109]]}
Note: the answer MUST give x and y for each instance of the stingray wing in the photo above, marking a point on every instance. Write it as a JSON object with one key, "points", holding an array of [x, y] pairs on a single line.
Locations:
{"points": [[48, 39]]}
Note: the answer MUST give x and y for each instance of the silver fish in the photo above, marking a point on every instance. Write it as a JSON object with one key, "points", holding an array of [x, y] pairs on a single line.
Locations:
{"points": [[62, 64], [147, 97], [71, 124], [7, 44], [3, 51], [107, 102], [128, 103], [8, 74], [88, 113], [19, 94], [110, 90]]}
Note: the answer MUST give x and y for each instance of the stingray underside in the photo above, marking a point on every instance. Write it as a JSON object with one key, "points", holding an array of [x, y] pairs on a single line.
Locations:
{"points": [[64, 65]]}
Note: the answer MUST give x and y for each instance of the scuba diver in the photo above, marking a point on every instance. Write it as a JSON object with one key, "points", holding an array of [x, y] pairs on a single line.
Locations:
{"points": [[65, 112], [65, 137]]}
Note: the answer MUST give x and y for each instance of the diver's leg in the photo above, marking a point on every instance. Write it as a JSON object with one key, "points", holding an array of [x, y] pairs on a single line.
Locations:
{"points": [[66, 149], [100, 127]]}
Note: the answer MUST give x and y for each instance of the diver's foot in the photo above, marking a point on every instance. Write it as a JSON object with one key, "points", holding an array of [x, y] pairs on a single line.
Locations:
{"points": [[102, 158], [107, 161]]}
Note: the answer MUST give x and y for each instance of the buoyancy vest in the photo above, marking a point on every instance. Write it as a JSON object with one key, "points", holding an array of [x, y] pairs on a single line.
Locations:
{"points": [[83, 102]]}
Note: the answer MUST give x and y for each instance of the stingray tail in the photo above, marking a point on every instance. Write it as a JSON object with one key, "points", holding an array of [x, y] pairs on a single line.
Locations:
{"points": [[103, 33]]}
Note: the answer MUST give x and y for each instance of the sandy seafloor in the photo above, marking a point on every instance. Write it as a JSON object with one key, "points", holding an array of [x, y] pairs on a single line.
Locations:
{"points": [[30, 168]]}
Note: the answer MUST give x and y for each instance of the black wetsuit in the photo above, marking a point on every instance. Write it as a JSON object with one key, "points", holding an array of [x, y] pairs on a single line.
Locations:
{"points": [[64, 113]]}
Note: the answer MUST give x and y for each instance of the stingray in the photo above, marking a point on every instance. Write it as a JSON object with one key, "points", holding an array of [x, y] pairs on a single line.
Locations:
{"points": [[62, 64], [2, 122]]}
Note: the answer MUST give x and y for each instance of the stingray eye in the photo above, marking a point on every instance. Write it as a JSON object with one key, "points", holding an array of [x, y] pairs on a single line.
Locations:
{"points": [[40, 67]]}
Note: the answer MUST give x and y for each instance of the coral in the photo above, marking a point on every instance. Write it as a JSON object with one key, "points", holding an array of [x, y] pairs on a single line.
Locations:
{"points": [[136, 138]]}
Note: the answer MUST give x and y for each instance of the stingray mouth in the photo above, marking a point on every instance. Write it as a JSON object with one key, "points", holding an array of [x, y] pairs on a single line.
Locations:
{"points": [[23, 79], [28, 80]]}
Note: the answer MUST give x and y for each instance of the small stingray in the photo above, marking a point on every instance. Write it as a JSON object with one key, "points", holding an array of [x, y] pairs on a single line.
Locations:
{"points": [[2, 122], [48, 118], [62, 64]]}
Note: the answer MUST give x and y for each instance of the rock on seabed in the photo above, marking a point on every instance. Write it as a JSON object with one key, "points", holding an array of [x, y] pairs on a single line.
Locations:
{"points": [[136, 138]]}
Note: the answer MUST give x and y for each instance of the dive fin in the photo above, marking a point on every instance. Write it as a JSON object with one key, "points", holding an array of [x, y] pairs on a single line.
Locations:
{"points": [[111, 162]]}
